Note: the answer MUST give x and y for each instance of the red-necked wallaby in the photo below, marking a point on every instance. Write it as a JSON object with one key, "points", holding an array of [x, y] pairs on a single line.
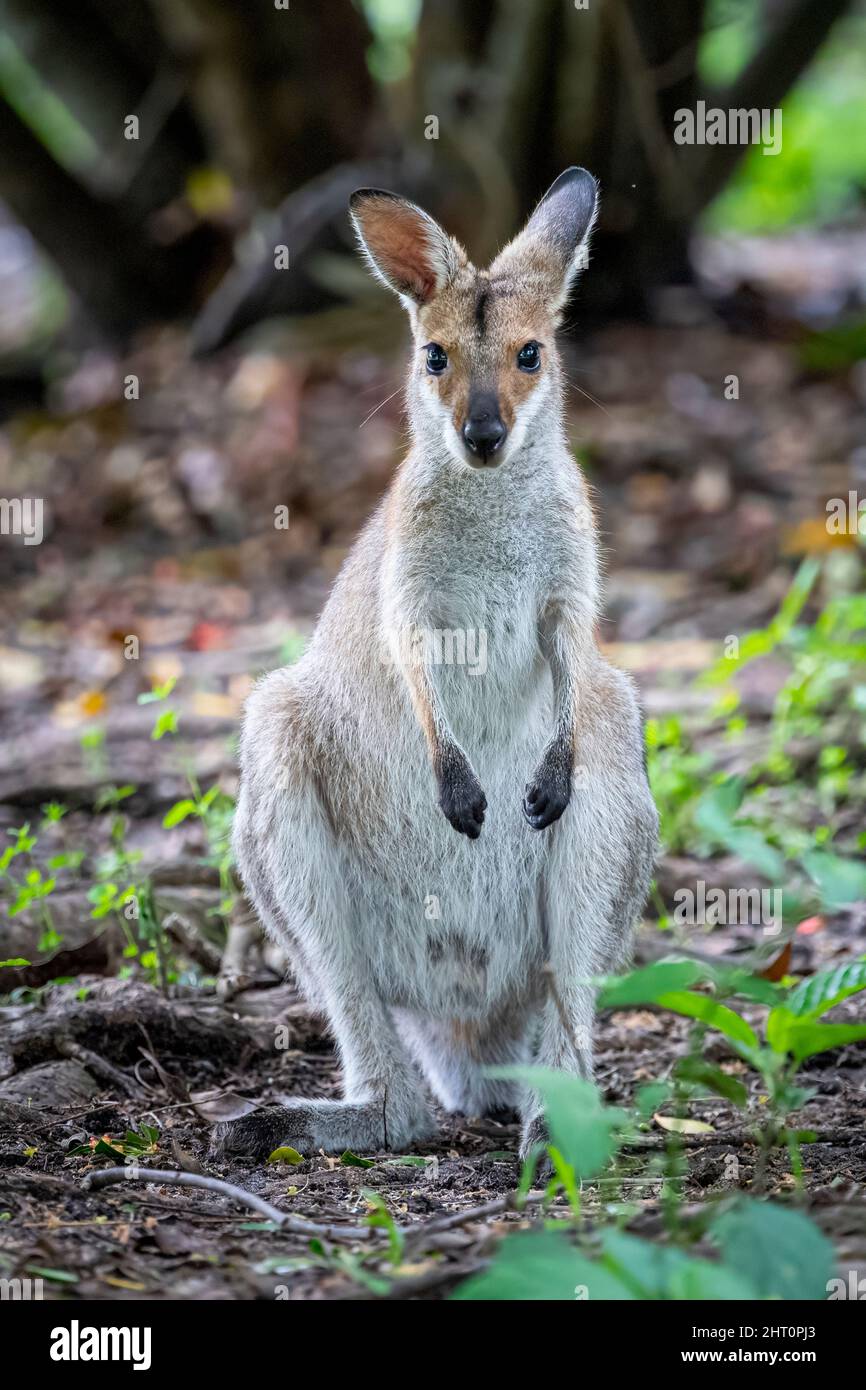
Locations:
{"points": [[444, 803]]}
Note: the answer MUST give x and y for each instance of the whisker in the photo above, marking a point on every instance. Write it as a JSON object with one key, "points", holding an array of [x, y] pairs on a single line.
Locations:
{"points": [[591, 398], [379, 406]]}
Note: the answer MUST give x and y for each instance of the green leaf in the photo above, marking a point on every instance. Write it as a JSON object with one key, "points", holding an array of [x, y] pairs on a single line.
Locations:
{"points": [[646, 985], [350, 1160], [166, 724], [708, 1011], [733, 979], [159, 692], [179, 812], [803, 1038], [839, 881], [57, 1276], [658, 1272], [542, 1265], [698, 1072], [717, 807], [714, 815], [649, 1098], [381, 1217], [104, 1147], [14, 963], [285, 1155], [821, 992], [784, 1253], [582, 1127], [750, 845]]}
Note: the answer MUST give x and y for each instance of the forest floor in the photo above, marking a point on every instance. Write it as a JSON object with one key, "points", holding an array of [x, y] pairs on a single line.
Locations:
{"points": [[160, 526]]}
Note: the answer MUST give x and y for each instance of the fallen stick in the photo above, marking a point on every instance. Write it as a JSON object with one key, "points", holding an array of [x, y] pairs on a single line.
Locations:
{"points": [[108, 1177], [739, 1135], [104, 1070]]}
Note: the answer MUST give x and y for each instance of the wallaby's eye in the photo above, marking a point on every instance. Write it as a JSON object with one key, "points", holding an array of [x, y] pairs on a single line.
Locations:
{"points": [[529, 357], [437, 359]]}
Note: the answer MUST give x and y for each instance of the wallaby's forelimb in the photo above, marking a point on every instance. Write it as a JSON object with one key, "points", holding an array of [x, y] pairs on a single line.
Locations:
{"points": [[564, 637], [461, 798]]}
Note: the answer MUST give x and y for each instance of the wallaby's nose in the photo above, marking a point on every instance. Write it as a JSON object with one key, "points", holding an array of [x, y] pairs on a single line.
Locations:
{"points": [[484, 431]]}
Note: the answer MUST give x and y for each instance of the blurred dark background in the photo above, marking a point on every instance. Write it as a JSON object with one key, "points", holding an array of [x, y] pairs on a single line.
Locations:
{"points": [[255, 119], [164, 386]]}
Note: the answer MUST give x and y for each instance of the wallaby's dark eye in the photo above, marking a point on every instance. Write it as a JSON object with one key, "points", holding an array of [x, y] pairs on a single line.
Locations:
{"points": [[437, 359], [529, 357]]}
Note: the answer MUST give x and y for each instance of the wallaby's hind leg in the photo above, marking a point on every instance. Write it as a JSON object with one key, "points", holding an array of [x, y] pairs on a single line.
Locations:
{"points": [[596, 879], [289, 861], [454, 1057]]}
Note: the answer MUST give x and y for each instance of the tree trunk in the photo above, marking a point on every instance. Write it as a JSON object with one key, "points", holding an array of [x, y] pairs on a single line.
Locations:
{"points": [[121, 278], [283, 93]]}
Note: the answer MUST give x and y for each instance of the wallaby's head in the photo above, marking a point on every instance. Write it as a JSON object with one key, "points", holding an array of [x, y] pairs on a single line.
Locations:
{"points": [[485, 361]]}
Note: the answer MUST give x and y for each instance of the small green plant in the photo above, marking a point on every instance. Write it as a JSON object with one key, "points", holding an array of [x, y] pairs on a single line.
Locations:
{"points": [[754, 1250], [136, 1143], [215, 810], [793, 1030], [802, 768]]}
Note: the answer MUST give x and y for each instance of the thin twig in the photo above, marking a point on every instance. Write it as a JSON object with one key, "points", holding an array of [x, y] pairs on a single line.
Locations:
{"points": [[107, 1177], [498, 1207]]}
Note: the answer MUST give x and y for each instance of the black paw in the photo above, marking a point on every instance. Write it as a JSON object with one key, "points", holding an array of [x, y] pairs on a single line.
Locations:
{"points": [[461, 799], [256, 1135], [546, 798]]}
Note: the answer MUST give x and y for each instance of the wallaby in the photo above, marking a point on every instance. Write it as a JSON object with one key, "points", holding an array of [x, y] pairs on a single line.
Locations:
{"points": [[450, 848]]}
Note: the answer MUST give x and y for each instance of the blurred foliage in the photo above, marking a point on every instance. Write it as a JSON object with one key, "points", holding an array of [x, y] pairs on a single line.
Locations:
{"points": [[779, 816], [820, 173], [48, 117], [393, 24]]}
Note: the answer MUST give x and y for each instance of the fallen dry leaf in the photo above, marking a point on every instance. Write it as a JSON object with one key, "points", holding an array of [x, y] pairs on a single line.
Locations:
{"points": [[676, 1125], [780, 967]]}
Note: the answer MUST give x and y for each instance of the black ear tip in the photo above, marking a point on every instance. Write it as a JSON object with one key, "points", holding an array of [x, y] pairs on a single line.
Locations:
{"points": [[573, 176], [361, 195]]}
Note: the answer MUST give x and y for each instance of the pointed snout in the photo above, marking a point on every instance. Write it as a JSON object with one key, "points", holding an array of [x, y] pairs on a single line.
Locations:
{"points": [[484, 431]]}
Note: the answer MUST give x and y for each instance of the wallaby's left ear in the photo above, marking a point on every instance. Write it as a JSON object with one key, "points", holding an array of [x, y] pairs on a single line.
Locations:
{"points": [[405, 247], [552, 246]]}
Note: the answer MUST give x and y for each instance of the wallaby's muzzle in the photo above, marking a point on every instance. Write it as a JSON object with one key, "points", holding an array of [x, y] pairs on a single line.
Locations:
{"points": [[484, 431]]}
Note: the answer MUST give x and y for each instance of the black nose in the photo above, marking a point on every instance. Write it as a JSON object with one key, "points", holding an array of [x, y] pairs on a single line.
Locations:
{"points": [[484, 430]]}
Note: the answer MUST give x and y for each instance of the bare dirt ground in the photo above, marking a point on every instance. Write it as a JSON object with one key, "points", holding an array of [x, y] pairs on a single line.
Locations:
{"points": [[161, 1241]]}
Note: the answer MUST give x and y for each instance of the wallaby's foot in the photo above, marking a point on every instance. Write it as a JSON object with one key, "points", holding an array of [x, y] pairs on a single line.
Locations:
{"points": [[311, 1125], [256, 1135], [549, 792], [461, 799]]}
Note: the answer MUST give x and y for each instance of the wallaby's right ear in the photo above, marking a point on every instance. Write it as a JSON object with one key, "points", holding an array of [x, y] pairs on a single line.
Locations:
{"points": [[552, 246], [405, 248]]}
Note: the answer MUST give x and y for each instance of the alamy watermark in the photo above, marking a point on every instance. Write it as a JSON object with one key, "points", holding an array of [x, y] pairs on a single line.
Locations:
{"points": [[853, 1290], [22, 516], [846, 516], [413, 645], [718, 907], [739, 126], [21, 1290]]}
